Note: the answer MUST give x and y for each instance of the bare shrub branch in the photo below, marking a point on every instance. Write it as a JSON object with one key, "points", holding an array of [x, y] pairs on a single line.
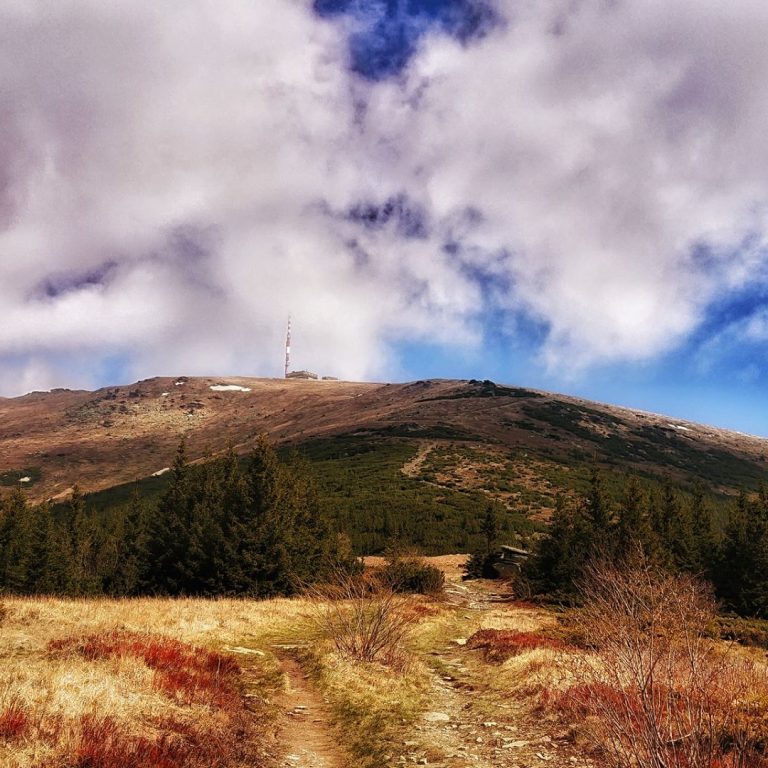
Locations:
{"points": [[656, 689], [366, 620]]}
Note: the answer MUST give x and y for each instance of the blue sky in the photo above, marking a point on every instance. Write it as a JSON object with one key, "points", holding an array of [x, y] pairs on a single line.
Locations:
{"points": [[568, 196], [719, 382]]}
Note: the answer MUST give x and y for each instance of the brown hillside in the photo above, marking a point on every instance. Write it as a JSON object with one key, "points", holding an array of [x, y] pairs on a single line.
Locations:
{"points": [[118, 434]]}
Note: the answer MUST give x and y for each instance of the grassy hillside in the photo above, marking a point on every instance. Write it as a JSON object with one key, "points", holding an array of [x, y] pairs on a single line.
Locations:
{"points": [[415, 462], [430, 492], [119, 434], [366, 493]]}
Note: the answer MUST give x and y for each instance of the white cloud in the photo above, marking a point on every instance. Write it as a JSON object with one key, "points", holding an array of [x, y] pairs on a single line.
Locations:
{"points": [[599, 157], [175, 178]]}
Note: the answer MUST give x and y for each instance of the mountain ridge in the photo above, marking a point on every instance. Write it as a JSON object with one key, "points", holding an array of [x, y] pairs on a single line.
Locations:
{"points": [[121, 433]]}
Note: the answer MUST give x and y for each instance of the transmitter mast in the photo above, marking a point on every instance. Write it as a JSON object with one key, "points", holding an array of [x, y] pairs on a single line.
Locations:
{"points": [[288, 348]]}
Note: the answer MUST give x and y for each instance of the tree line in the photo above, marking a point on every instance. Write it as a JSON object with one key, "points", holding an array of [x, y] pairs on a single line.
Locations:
{"points": [[257, 527], [226, 527], [673, 530]]}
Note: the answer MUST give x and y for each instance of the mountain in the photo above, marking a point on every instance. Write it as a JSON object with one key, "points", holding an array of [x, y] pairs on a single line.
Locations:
{"points": [[517, 445]]}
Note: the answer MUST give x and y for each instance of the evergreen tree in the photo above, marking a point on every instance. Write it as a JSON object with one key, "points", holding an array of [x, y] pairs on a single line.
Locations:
{"points": [[632, 529], [481, 561], [129, 542], [84, 541], [742, 575], [559, 559], [261, 526], [490, 528], [48, 571], [598, 518], [704, 543], [170, 527], [16, 546]]}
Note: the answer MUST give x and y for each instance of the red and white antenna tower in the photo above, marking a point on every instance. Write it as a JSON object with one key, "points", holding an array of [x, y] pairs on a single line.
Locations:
{"points": [[288, 348]]}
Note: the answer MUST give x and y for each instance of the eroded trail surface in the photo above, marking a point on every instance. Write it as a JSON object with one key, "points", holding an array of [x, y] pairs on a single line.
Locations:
{"points": [[468, 722], [306, 733], [412, 467]]}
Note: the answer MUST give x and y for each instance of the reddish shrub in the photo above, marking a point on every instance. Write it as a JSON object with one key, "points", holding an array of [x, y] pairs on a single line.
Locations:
{"points": [[183, 671], [14, 723], [590, 699], [103, 743], [498, 645], [596, 698], [421, 611], [667, 707]]}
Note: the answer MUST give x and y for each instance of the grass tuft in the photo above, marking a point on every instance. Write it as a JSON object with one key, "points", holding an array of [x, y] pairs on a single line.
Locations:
{"points": [[14, 722]]}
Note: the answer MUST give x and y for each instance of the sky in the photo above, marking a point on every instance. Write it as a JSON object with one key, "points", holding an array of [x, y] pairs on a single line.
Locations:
{"points": [[564, 194]]}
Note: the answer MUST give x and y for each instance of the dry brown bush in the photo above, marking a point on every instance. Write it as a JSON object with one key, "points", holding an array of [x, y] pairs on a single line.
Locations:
{"points": [[365, 620], [656, 690]]}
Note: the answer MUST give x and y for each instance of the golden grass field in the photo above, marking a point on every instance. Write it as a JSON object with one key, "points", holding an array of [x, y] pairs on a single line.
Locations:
{"points": [[74, 670], [157, 683]]}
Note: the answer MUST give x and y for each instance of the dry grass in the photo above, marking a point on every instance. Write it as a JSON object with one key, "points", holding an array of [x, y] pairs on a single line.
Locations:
{"points": [[104, 683], [451, 565], [151, 683], [144, 677], [374, 705], [499, 645]]}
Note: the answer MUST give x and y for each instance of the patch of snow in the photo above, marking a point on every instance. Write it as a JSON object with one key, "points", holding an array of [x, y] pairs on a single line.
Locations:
{"points": [[165, 394], [161, 471], [179, 383], [25, 479], [229, 388], [680, 427]]}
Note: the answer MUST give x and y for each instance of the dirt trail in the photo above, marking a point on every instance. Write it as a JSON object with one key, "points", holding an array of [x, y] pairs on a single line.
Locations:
{"points": [[413, 466], [305, 732], [467, 725]]}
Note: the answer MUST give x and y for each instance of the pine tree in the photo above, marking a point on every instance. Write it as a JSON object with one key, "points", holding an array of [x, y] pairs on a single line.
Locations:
{"points": [[49, 566], [598, 518], [704, 544], [168, 548], [84, 544], [560, 558], [261, 525], [490, 528], [130, 542], [754, 582], [16, 548], [741, 577]]}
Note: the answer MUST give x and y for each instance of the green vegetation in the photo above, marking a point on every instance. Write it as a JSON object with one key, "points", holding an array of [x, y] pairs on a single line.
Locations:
{"points": [[746, 631], [486, 388], [676, 532], [412, 574], [103, 503], [406, 485], [226, 527], [364, 493], [413, 430], [647, 448]]}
